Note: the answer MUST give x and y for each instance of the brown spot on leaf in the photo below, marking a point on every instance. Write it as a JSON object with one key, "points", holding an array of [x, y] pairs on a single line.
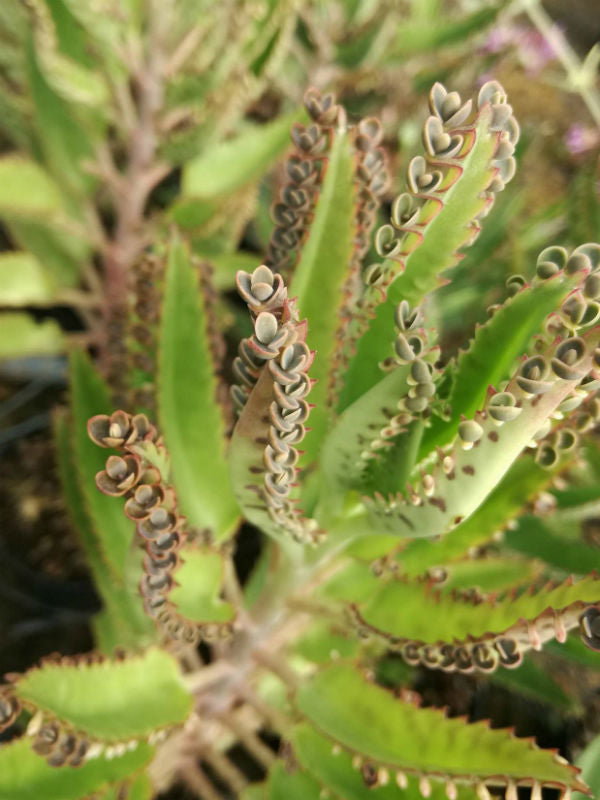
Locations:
{"points": [[438, 502]]}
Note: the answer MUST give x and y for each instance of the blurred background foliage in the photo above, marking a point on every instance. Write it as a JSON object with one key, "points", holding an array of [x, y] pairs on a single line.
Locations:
{"points": [[122, 118]]}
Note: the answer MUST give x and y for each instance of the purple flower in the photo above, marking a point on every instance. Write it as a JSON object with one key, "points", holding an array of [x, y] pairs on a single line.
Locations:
{"points": [[533, 49], [579, 139]]}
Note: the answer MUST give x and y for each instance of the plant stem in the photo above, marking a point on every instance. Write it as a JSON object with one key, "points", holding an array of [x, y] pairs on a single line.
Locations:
{"points": [[130, 190], [564, 53]]}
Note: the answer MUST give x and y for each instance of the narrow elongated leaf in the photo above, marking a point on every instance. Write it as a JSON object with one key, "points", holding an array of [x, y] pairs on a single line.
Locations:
{"points": [[122, 622], [69, 79], [445, 231], [437, 618], [21, 335], [421, 37], [246, 464], [533, 680], [228, 167], [322, 642], [341, 458], [532, 538], [366, 719], [589, 762], [492, 574], [138, 788], [71, 37], [523, 481], [111, 700], [232, 164], [90, 396], [337, 773], [493, 351], [320, 275], [190, 416], [64, 142], [25, 775]]}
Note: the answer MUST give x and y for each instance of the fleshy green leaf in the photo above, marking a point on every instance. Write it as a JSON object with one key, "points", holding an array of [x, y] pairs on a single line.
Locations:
{"points": [[337, 773], [440, 617], [27, 190], [70, 80], [21, 335], [284, 785], [227, 167], [189, 414], [320, 275], [366, 719], [356, 427], [524, 480], [63, 141], [246, 458], [589, 762], [111, 700], [322, 642], [199, 582], [532, 538], [25, 775], [24, 281], [534, 681], [255, 791], [490, 574], [444, 234]]}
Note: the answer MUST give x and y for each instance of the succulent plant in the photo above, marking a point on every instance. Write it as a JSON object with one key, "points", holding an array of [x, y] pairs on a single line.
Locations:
{"points": [[375, 464]]}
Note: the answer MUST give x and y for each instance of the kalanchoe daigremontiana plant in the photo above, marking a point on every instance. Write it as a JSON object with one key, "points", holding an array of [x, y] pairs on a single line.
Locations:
{"points": [[380, 470]]}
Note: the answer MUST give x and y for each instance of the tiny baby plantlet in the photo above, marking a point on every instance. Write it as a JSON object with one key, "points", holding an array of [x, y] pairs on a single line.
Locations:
{"points": [[375, 465]]}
